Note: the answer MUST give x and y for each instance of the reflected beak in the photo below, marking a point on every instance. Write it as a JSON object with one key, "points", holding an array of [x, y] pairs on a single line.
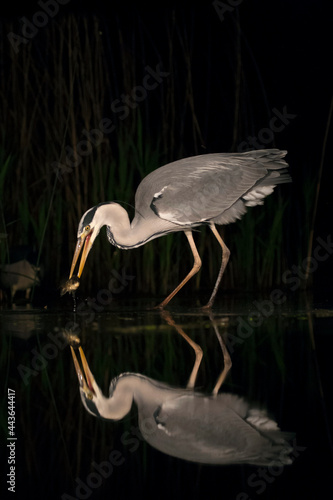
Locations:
{"points": [[85, 242], [86, 381]]}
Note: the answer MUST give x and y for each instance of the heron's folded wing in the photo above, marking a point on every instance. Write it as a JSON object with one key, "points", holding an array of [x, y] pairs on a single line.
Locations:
{"points": [[201, 188], [205, 427]]}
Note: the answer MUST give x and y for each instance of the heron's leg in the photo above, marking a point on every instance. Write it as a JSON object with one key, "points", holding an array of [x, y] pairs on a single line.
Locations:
{"points": [[197, 349], [194, 270], [225, 258], [227, 363]]}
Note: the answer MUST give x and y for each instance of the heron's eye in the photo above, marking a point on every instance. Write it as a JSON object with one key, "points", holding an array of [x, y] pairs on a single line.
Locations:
{"points": [[90, 395], [87, 228]]}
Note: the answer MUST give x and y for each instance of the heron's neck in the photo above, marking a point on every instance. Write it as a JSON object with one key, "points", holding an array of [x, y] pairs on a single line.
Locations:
{"points": [[129, 387], [119, 403], [124, 234], [129, 236]]}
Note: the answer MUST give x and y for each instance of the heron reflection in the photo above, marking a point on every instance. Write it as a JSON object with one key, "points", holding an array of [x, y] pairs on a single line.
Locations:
{"points": [[216, 428]]}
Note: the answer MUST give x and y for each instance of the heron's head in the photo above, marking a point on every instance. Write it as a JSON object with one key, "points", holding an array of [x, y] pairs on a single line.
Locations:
{"points": [[116, 406], [88, 230], [90, 393]]}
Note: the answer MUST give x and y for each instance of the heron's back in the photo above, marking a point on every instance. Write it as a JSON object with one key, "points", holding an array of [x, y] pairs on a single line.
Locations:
{"points": [[213, 187], [216, 430]]}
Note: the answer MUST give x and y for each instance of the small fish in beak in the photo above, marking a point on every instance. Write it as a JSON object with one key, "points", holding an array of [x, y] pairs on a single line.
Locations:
{"points": [[70, 286], [72, 339]]}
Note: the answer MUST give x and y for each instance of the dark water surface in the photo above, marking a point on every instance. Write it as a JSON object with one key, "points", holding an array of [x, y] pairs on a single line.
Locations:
{"points": [[282, 353]]}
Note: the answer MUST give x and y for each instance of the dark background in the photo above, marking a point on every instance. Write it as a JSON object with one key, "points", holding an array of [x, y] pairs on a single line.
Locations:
{"points": [[283, 52]]}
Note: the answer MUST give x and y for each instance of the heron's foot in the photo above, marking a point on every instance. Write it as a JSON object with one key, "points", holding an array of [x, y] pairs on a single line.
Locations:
{"points": [[163, 304], [159, 307], [207, 307]]}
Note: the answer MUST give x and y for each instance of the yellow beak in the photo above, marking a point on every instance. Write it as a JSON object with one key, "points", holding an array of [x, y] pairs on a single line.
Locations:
{"points": [[84, 239], [85, 381]]}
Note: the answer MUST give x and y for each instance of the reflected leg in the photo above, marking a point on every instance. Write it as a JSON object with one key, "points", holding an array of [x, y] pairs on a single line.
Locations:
{"points": [[197, 349], [226, 358], [194, 270]]}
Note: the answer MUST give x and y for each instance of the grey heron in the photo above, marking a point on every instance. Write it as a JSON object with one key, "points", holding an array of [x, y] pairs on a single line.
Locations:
{"points": [[20, 275], [180, 196], [212, 428]]}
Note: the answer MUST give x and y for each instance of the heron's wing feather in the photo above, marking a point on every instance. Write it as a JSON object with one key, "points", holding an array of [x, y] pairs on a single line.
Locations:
{"points": [[201, 188], [220, 427]]}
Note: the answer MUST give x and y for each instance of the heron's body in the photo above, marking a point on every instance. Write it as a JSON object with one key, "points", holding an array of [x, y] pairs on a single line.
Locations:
{"points": [[220, 429], [208, 189]]}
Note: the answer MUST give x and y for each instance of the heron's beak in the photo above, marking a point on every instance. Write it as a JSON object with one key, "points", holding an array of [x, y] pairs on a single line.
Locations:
{"points": [[86, 381], [85, 242]]}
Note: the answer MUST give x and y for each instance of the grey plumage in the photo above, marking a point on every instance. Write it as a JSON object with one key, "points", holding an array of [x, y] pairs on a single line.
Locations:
{"points": [[212, 187], [210, 429], [207, 189]]}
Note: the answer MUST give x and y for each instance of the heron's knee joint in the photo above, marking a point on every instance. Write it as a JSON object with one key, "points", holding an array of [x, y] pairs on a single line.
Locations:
{"points": [[226, 252], [199, 352], [197, 266], [228, 364]]}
